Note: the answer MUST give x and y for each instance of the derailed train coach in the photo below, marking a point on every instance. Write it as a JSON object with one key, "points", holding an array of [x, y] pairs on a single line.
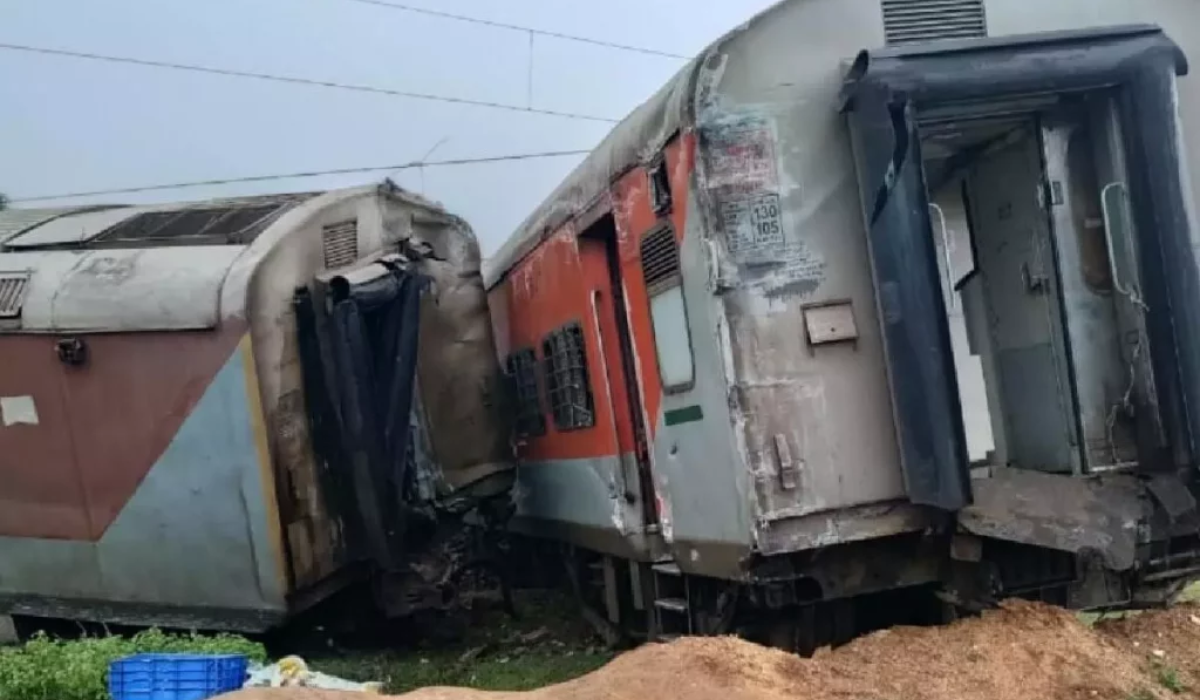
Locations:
{"points": [[874, 296], [216, 414]]}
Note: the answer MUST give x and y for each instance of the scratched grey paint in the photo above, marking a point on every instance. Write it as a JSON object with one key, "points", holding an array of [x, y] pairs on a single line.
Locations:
{"points": [[193, 534], [825, 408]]}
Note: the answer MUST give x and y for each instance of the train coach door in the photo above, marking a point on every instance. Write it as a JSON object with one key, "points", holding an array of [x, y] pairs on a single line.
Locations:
{"points": [[601, 260], [889, 96], [921, 370]]}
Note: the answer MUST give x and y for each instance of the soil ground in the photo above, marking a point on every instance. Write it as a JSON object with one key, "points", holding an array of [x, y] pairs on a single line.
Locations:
{"points": [[1022, 651]]}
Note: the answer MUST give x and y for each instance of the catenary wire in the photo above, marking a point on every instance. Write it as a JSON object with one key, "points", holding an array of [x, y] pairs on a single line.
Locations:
{"points": [[519, 28], [311, 173], [311, 82]]}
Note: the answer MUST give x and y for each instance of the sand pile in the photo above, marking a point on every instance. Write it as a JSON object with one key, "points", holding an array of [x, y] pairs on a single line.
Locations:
{"points": [[1023, 651]]}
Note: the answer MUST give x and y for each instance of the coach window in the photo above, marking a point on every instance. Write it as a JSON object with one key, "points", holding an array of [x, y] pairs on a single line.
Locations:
{"points": [[566, 376], [522, 372], [668, 314]]}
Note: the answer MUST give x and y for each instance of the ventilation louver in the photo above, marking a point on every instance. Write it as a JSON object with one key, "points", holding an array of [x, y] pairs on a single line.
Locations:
{"points": [[913, 21], [341, 244], [660, 259], [12, 293]]}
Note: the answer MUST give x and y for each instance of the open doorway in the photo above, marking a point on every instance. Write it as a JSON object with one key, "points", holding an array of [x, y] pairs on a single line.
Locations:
{"points": [[1045, 345], [1079, 218]]}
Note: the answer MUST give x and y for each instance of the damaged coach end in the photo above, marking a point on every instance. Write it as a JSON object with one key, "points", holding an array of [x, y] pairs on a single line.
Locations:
{"points": [[1030, 195], [874, 298], [217, 414]]}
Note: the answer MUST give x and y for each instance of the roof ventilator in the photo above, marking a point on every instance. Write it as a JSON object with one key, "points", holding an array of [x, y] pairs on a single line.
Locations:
{"points": [[915, 21]]}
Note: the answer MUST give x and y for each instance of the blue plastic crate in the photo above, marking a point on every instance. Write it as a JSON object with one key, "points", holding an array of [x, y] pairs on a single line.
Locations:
{"points": [[175, 676]]}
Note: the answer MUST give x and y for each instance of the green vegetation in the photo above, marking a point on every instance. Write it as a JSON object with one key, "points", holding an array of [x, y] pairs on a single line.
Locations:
{"points": [[547, 644], [1168, 677], [51, 669], [1141, 694]]}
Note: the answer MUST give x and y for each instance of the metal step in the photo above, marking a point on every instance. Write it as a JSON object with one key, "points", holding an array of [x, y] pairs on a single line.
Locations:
{"points": [[667, 568], [678, 605]]}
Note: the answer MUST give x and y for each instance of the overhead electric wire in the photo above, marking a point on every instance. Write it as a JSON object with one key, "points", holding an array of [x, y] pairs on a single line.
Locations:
{"points": [[311, 82], [520, 28], [312, 173]]}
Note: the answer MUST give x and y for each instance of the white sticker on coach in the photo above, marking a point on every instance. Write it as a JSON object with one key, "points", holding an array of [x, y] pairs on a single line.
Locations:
{"points": [[18, 410]]}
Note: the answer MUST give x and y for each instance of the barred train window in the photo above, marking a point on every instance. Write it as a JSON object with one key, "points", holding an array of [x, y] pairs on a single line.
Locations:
{"points": [[567, 384], [668, 315], [522, 371]]}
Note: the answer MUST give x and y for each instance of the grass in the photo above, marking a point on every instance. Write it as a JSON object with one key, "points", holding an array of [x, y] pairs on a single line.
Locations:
{"points": [[1168, 677], [403, 672], [547, 644]]}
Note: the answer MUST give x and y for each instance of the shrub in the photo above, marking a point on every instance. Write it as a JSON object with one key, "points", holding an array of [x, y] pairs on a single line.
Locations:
{"points": [[53, 669]]}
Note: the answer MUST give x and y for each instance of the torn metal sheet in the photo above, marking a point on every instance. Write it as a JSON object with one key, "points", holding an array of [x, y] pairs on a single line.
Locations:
{"points": [[1060, 512]]}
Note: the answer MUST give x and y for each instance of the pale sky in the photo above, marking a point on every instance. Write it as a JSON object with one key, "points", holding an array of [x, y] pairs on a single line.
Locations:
{"points": [[68, 125]]}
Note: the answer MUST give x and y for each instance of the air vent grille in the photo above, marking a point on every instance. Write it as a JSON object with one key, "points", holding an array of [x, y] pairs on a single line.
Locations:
{"points": [[341, 244], [913, 21], [660, 259], [12, 293]]}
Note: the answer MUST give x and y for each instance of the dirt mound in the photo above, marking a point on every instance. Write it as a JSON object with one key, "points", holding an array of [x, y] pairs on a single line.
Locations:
{"points": [[1021, 651]]}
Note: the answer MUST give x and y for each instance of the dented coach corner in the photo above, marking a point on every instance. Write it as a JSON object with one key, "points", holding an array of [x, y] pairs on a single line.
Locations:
{"points": [[177, 443]]}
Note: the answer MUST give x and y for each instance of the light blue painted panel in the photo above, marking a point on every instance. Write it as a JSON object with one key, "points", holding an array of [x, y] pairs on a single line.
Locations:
{"points": [[194, 534]]}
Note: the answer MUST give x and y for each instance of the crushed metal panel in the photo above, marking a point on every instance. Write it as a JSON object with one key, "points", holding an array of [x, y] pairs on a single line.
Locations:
{"points": [[1060, 512]]}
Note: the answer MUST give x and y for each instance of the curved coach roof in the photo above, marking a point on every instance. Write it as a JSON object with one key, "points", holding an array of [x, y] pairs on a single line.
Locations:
{"points": [[636, 139], [173, 266], [639, 136]]}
